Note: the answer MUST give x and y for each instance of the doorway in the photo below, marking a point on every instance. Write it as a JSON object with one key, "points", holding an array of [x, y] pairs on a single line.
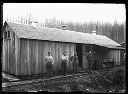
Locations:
{"points": [[79, 54]]}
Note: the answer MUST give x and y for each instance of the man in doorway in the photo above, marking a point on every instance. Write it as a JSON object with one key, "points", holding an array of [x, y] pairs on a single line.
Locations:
{"points": [[95, 60], [64, 63], [90, 60], [75, 63], [49, 64]]}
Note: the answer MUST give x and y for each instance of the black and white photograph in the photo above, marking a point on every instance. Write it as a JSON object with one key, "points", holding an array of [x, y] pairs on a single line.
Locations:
{"points": [[63, 47]]}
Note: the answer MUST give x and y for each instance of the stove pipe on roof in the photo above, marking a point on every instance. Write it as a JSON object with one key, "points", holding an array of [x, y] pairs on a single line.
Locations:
{"points": [[64, 27], [94, 32], [34, 23]]}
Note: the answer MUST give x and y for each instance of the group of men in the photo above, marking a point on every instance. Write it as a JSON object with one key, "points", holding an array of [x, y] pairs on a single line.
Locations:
{"points": [[65, 59]]}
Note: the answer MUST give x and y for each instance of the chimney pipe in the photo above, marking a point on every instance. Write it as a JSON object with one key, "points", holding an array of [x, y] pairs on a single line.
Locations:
{"points": [[34, 23], [94, 32], [64, 27]]}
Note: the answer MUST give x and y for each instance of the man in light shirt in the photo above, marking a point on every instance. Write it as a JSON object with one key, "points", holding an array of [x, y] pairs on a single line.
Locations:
{"points": [[64, 63], [49, 64]]}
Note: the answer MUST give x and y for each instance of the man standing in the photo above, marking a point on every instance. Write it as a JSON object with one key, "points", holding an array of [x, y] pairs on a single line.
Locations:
{"points": [[64, 63], [90, 60], [75, 63], [49, 64]]}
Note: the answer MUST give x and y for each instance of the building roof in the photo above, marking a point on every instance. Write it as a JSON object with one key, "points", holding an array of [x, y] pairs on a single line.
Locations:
{"points": [[123, 44], [52, 34]]}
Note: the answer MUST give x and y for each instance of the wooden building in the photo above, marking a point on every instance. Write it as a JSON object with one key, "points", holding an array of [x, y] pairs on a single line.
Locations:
{"points": [[25, 48], [122, 53]]}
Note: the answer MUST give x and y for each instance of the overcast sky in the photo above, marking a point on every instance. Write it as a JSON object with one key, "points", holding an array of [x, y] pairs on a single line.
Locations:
{"points": [[74, 12]]}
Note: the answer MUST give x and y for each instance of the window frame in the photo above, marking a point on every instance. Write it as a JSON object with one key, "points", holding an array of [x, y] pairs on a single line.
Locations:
{"points": [[5, 35], [8, 35]]}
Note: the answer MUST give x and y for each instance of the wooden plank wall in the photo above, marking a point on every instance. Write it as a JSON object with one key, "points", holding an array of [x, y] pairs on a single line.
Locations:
{"points": [[115, 54], [9, 53], [108, 54], [11, 58], [17, 51], [122, 57], [33, 53], [3, 57], [100, 52]]}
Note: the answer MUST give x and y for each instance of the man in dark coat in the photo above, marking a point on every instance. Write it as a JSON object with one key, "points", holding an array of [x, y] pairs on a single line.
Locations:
{"points": [[75, 63]]}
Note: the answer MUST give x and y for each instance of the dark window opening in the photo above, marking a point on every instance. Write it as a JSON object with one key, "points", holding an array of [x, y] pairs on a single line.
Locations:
{"points": [[79, 53], [5, 35], [8, 34]]}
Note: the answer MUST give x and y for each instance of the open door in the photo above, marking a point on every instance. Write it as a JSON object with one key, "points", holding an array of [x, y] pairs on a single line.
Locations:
{"points": [[86, 49], [79, 54]]}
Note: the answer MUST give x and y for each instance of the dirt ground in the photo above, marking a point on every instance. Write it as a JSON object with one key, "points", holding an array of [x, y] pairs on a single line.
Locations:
{"points": [[111, 80]]}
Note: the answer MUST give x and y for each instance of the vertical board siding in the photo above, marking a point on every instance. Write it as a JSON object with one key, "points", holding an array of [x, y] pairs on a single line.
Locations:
{"points": [[10, 60], [43, 54], [34, 56], [3, 58], [36, 67], [23, 57], [84, 57], [33, 53], [53, 50], [59, 55], [45, 50], [67, 50], [12, 52], [19, 57], [40, 49], [5, 54], [115, 54], [31, 56], [4, 51], [56, 56], [72, 50], [16, 55], [8, 55], [28, 58], [122, 57], [119, 56]]}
